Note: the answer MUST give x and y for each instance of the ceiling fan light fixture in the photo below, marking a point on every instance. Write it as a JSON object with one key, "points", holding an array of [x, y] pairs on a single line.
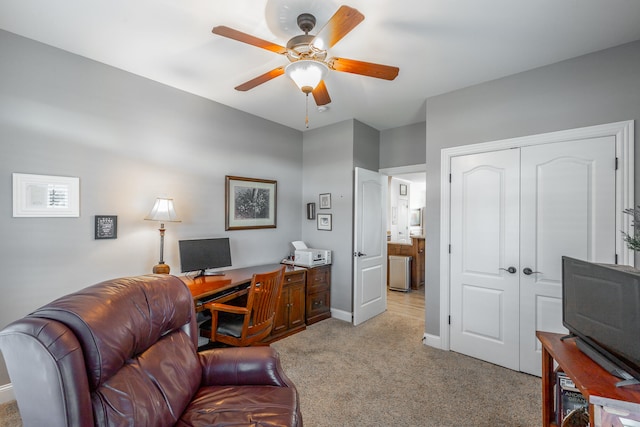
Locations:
{"points": [[306, 73]]}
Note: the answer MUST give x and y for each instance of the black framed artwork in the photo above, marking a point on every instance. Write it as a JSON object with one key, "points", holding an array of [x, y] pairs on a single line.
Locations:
{"points": [[250, 203], [106, 227]]}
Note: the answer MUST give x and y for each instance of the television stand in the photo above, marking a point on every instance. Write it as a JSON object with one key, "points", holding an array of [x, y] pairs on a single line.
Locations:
{"points": [[596, 384]]}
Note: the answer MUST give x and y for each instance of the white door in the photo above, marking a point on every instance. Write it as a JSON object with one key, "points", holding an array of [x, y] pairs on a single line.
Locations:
{"points": [[484, 256], [564, 204], [568, 208], [369, 245]]}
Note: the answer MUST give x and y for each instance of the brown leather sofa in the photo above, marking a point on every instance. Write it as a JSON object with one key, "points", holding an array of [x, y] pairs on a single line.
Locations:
{"points": [[124, 352]]}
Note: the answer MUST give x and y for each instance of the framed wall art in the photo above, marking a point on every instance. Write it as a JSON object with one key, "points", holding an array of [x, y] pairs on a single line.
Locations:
{"points": [[250, 203], [403, 189], [45, 196], [324, 222], [106, 227], [325, 201]]}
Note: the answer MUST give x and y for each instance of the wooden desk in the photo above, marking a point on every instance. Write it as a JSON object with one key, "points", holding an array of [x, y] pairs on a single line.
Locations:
{"points": [[203, 287], [290, 312], [595, 384]]}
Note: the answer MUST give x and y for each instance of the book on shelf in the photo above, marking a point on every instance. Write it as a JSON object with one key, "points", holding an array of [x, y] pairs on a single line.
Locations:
{"points": [[568, 397]]}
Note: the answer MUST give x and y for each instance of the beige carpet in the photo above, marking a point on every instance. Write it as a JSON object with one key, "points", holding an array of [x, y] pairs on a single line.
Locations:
{"points": [[380, 374], [9, 416]]}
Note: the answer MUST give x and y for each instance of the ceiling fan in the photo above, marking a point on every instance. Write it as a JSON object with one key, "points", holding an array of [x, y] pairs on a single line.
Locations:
{"points": [[308, 55]]}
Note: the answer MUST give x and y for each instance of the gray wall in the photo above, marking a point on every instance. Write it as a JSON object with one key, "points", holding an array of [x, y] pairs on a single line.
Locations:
{"points": [[328, 168], [366, 146], [330, 155], [403, 146], [129, 140], [599, 88]]}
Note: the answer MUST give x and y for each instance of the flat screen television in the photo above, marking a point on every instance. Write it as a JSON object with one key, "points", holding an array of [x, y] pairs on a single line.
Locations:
{"points": [[601, 308], [203, 254]]}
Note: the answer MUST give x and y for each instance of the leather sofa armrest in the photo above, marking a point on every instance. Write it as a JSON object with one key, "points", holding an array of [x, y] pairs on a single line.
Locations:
{"points": [[242, 366]]}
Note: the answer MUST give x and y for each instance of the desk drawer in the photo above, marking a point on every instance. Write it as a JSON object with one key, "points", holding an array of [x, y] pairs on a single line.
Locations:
{"points": [[318, 279], [318, 306], [294, 277]]}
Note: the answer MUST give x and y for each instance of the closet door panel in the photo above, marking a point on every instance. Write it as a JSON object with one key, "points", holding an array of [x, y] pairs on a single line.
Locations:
{"points": [[484, 244], [567, 208]]}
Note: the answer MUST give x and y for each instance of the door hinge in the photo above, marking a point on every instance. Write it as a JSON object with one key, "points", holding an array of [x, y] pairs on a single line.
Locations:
{"points": [[449, 248], [616, 163], [449, 178], [449, 319], [616, 258]]}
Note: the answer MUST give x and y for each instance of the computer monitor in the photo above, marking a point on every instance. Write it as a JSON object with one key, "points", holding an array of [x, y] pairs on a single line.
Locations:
{"points": [[203, 254]]}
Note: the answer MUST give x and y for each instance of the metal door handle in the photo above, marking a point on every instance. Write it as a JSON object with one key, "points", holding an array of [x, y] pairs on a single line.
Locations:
{"points": [[511, 270], [529, 271], [359, 254]]}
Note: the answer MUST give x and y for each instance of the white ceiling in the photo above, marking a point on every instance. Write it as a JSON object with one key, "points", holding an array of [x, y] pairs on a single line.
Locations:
{"points": [[439, 45]]}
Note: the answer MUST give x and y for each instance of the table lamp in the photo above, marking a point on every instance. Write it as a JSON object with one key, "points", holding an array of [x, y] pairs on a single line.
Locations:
{"points": [[162, 211]]}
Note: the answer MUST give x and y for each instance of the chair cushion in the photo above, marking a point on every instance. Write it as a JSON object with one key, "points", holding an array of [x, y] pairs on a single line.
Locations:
{"points": [[230, 324], [152, 389], [121, 318], [266, 406]]}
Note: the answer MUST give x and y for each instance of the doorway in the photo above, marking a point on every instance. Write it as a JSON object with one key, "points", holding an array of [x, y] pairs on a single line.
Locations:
{"points": [[406, 220]]}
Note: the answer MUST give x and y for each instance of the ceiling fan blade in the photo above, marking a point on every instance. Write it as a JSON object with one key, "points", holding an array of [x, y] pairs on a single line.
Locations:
{"points": [[370, 69], [261, 79], [249, 39], [321, 95], [340, 24]]}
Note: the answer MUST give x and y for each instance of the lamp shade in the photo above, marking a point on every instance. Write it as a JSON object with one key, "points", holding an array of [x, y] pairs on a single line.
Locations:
{"points": [[163, 211], [306, 73]]}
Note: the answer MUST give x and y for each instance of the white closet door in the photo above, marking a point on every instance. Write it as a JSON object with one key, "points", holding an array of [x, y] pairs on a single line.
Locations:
{"points": [[484, 244], [567, 208]]}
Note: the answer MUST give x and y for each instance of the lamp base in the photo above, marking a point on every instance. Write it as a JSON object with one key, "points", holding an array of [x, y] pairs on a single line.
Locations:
{"points": [[161, 268]]}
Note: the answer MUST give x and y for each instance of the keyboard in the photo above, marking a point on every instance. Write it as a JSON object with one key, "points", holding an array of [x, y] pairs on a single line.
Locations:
{"points": [[223, 294]]}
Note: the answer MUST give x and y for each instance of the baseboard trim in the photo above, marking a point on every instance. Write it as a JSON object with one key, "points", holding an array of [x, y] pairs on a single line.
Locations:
{"points": [[6, 393], [345, 316], [432, 341]]}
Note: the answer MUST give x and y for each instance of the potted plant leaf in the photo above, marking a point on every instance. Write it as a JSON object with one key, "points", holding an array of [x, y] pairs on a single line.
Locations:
{"points": [[633, 242]]}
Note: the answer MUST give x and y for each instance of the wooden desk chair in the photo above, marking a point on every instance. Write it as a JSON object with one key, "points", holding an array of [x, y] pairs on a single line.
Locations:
{"points": [[243, 326]]}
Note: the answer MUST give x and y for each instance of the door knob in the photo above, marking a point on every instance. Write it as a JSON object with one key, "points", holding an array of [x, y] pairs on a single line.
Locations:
{"points": [[358, 254], [529, 271], [511, 270]]}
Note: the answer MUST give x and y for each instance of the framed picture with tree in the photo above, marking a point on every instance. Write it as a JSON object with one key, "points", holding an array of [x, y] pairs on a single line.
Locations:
{"points": [[250, 203]]}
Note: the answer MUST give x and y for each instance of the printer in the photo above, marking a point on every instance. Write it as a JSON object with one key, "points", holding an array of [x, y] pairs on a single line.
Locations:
{"points": [[309, 257]]}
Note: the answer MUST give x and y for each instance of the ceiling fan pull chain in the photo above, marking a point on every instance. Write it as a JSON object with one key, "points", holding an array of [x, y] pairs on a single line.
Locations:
{"points": [[306, 119]]}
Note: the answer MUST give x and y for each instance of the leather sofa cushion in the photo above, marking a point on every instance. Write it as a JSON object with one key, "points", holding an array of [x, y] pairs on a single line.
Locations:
{"points": [[266, 406], [119, 319], [152, 389]]}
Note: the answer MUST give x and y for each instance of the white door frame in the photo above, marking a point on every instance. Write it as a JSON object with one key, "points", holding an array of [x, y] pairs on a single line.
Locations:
{"points": [[623, 133]]}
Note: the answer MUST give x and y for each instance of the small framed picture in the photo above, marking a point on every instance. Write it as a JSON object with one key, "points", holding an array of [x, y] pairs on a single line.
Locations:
{"points": [[324, 222], [106, 227], [325, 201], [403, 189]]}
